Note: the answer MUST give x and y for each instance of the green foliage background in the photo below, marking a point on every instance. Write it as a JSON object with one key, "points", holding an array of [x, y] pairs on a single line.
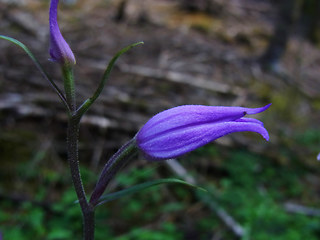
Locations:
{"points": [[250, 187]]}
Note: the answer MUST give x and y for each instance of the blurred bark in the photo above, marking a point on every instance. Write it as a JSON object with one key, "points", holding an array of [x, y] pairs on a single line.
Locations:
{"points": [[176, 77], [286, 17], [288, 13]]}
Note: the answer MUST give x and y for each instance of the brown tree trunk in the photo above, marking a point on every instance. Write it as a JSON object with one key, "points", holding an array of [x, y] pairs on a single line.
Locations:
{"points": [[311, 20], [278, 43]]}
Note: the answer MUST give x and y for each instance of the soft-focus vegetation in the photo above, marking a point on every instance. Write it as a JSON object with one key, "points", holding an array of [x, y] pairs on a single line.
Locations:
{"points": [[251, 187]]}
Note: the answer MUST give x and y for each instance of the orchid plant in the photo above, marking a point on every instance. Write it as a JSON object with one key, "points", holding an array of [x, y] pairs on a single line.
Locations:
{"points": [[169, 134]]}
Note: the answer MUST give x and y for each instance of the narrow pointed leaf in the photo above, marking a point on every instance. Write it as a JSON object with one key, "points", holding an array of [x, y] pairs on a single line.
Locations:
{"points": [[137, 188], [85, 106], [38, 65]]}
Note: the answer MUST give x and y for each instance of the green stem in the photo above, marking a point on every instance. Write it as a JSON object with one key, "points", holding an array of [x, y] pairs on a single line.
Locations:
{"points": [[86, 208], [69, 87], [73, 154]]}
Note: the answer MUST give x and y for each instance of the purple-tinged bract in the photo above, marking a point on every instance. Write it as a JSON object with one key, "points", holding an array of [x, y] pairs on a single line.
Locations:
{"points": [[182, 129], [59, 49]]}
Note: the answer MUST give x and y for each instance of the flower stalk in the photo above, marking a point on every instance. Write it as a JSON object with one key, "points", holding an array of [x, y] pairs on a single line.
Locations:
{"points": [[115, 163]]}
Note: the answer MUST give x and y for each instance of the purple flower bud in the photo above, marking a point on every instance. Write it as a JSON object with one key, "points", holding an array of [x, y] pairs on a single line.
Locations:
{"points": [[59, 49], [182, 129]]}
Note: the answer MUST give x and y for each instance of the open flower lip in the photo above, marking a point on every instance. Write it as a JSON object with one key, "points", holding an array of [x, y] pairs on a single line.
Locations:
{"points": [[182, 129], [60, 51]]}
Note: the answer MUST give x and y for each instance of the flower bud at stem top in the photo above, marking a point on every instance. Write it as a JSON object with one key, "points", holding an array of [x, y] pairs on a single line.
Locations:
{"points": [[59, 49]]}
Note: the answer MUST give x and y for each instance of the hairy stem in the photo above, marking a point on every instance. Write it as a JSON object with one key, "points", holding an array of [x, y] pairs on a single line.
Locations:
{"points": [[73, 158], [86, 208]]}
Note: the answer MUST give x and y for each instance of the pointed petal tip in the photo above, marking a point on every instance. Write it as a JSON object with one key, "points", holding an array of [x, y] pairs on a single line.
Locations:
{"points": [[258, 110], [268, 105], [264, 133]]}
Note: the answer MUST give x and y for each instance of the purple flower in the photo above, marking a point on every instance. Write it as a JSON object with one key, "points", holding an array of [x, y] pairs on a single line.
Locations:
{"points": [[59, 49], [182, 129]]}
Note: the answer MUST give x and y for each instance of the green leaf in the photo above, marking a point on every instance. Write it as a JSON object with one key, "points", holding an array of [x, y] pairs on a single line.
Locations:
{"points": [[38, 65], [137, 188], [85, 106]]}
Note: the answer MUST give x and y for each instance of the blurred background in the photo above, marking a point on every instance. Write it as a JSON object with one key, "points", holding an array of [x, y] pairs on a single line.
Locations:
{"points": [[212, 52]]}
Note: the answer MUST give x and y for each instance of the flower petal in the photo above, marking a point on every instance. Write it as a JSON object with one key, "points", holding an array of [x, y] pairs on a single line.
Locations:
{"points": [[257, 110], [184, 140], [180, 130], [187, 115]]}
